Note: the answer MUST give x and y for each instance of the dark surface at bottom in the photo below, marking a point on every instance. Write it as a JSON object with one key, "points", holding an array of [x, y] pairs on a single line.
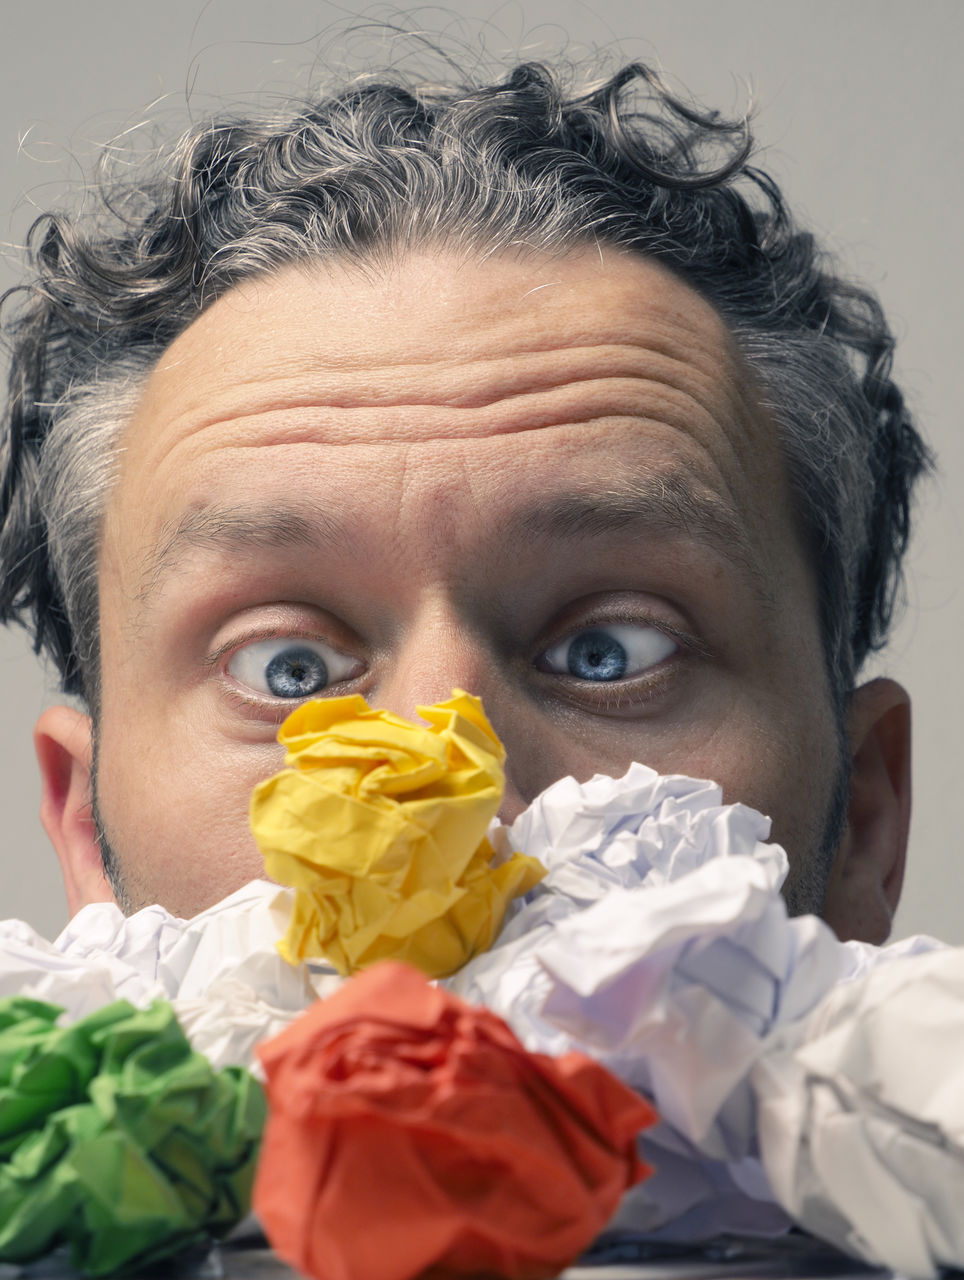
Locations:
{"points": [[793, 1256]]}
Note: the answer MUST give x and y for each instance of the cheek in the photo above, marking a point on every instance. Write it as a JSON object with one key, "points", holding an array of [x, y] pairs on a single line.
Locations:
{"points": [[773, 753], [175, 809], [783, 764]]}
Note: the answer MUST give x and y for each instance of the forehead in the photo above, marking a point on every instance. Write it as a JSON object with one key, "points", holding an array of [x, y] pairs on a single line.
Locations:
{"points": [[346, 335], [425, 312], [587, 366]]}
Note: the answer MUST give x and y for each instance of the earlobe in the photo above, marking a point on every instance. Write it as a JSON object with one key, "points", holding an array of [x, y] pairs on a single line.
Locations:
{"points": [[63, 743], [868, 872]]}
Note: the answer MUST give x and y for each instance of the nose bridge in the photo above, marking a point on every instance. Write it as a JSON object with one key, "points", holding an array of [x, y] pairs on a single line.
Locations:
{"points": [[439, 651]]}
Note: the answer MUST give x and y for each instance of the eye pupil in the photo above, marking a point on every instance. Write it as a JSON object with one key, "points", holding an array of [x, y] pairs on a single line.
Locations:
{"points": [[296, 673], [596, 655]]}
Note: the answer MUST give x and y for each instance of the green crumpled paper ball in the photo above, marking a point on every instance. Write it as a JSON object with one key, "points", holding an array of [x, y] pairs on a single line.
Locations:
{"points": [[116, 1138]]}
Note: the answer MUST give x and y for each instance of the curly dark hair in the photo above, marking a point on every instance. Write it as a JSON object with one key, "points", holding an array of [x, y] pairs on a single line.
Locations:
{"points": [[385, 166]]}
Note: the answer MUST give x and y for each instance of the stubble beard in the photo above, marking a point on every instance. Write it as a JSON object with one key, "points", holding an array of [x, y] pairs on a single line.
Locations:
{"points": [[804, 890], [108, 855]]}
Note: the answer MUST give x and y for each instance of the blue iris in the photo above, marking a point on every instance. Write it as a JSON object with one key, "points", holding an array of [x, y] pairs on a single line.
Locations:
{"points": [[297, 672], [596, 655]]}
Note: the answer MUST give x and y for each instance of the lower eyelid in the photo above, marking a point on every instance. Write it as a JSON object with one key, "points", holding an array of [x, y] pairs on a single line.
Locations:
{"points": [[253, 708], [639, 695], [273, 707]]}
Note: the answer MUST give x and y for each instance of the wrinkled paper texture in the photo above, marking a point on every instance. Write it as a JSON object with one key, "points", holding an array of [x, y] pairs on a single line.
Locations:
{"points": [[861, 1115], [409, 1131], [379, 825], [116, 1139], [220, 969], [659, 944]]}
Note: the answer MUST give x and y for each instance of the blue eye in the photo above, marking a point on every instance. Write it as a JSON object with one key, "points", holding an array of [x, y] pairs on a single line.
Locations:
{"points": [[609, 653], [296, 673], [290, 668]]}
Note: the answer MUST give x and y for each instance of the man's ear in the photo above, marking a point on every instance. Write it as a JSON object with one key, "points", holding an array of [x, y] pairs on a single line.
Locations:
{"points": [[868, 871], [63, 743]]}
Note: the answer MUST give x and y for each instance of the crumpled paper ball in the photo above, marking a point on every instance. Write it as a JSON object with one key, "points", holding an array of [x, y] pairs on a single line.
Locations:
{"points": [[380, 826], [116, 1139], [861, 1115], [409, 1132], [220, 969]]}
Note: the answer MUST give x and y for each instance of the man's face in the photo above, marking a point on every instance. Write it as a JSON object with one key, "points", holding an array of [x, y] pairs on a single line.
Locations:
{"points": [[545, 481]]}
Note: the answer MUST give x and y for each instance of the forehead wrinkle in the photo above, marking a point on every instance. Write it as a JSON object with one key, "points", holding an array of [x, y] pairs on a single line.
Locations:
{"points": [[225, 529], [483, 379], [664, 504], [585, 402]]}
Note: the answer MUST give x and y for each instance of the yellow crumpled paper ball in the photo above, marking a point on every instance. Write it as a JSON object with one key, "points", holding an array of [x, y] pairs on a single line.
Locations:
{"points": [[379, 825]]}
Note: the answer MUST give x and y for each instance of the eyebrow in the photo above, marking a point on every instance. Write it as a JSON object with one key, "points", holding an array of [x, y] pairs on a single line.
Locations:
{"points": [[665, 505], [249, 527], [669, 505]]}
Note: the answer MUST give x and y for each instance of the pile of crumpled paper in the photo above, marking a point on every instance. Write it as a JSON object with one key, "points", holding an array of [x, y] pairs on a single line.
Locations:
{"points": [[798, 1079]]}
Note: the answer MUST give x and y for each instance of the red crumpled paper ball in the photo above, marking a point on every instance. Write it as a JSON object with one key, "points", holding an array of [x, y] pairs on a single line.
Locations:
{"points": [[411, 1133]]}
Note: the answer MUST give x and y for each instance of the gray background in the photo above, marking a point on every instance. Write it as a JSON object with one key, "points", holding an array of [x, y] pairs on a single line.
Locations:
{"points": [[859, 110]]}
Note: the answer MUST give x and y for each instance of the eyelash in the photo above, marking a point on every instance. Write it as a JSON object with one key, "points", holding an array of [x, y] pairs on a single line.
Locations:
{"points": [[611, 697], [243, 699], [231, 647], [686, 641]]}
